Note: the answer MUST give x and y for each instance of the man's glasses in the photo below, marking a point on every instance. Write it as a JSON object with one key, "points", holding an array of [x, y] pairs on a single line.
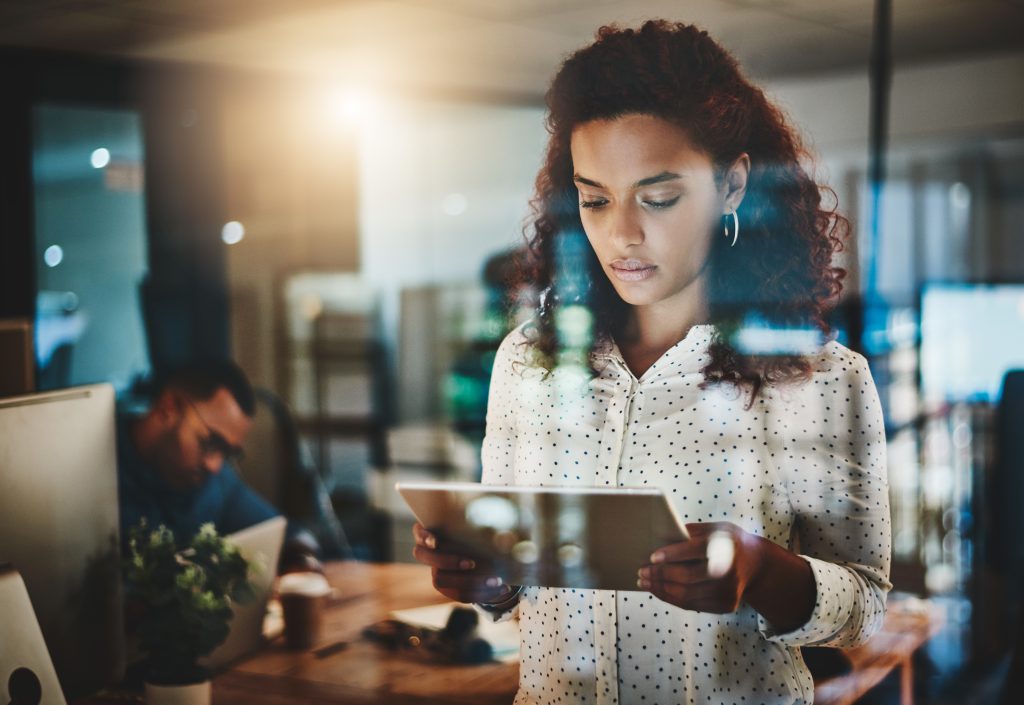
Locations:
{"points": [[215, 444]]}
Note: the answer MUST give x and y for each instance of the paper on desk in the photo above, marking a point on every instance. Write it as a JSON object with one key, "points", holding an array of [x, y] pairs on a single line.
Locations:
{"points": [[503, 636]]}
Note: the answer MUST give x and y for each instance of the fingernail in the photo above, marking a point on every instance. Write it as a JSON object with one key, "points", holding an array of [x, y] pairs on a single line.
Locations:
{"points": [[643, 584], [467, 564], [430, 541], [494, 581], [644, 572], [657, 557]]}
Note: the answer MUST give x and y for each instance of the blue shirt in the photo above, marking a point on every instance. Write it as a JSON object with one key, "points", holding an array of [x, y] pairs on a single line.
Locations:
{"points": [[223, 498]]}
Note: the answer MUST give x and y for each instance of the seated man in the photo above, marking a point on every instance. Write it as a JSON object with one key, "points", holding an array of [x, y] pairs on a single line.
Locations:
{"points": [[176, 461]]}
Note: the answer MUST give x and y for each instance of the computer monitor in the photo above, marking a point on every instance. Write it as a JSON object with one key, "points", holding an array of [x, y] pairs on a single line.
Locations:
{"points": [[59, 526], [971, 335]]}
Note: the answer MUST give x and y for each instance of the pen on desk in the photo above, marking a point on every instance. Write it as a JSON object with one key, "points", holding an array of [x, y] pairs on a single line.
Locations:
{"points": [[330, 649]]}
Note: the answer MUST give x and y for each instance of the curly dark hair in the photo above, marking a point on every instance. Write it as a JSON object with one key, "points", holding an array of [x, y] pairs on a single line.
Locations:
{"points": [[782, 269]]}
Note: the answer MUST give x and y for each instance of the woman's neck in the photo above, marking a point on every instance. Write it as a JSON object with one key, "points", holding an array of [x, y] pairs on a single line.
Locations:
{"points": [[651, 330]]}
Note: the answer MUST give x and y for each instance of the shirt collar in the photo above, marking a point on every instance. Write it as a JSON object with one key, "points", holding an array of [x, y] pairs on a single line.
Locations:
{"points": [[688, 355]]}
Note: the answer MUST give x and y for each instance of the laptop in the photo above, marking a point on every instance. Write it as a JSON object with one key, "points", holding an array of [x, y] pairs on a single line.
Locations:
{"points": [[260, 544]]}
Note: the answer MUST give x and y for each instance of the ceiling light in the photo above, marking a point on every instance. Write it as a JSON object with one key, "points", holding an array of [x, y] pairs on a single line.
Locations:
{"points": [[100, 158], [232, 232]]}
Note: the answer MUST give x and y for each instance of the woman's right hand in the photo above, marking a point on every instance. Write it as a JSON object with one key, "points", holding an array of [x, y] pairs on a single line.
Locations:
{"points": [[457, 577]]}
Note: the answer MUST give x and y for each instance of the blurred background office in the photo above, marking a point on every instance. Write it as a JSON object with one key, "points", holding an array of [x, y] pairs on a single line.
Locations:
{"points": [[333, 194]]}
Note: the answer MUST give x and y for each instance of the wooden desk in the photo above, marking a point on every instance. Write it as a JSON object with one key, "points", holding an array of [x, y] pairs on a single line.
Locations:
{"points": [[908, 625], [363, 673]]}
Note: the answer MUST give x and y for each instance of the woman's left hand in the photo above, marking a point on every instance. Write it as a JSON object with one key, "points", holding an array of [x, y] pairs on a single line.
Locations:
{"points": [[709, 573]]}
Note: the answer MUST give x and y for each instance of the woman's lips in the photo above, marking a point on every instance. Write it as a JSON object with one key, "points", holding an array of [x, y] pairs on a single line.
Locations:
{"points": [[631, 270]]}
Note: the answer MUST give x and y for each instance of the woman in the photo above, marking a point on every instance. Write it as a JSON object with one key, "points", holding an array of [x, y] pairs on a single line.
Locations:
{"points": [[705, 277]]}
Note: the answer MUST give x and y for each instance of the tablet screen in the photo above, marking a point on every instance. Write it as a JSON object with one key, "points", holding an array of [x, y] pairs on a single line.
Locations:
{"points": [[574, 537]]}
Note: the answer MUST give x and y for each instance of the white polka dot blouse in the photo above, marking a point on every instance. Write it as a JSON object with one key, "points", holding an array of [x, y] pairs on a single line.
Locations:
{"points": [[805, 467]]}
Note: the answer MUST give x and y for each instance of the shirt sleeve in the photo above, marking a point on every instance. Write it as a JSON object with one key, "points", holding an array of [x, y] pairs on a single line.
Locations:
{"points": [[827, 441], [499, 444]]}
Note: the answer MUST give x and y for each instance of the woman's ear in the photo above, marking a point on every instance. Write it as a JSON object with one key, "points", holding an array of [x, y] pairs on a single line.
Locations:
{"points": [[736, 183]]}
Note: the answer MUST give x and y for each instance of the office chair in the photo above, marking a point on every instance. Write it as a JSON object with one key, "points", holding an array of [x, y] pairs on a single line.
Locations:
{"points": [[279, 467]]}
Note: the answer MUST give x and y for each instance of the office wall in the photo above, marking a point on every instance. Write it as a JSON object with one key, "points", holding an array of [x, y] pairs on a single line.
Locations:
{"points": [[442, 188], [967, 97], [290, 180], [956, 146]]}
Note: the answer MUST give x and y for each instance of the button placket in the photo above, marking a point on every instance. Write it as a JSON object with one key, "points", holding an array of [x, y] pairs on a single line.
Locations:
{"points": [[614, 431], [605, 612]]}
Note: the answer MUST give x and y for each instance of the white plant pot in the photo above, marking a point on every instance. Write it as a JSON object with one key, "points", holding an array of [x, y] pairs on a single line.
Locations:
{"points": [[191, 694]]}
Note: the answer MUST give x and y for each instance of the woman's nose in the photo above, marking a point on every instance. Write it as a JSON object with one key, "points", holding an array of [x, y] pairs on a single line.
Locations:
{"points": [[625, 226]]}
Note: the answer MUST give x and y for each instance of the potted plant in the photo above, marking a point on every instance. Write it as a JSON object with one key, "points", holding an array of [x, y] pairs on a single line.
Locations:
{"points": [[180, 601]]}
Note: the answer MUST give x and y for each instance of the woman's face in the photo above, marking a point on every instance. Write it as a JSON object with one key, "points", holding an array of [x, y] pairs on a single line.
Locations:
{"points": [[649, 205]]}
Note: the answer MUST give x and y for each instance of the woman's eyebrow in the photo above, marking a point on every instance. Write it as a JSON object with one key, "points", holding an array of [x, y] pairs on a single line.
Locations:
{"points": [[585, 181], [649, 181]]}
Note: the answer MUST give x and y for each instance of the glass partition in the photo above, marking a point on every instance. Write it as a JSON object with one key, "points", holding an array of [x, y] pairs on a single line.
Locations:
{"points": [[91, 248]]}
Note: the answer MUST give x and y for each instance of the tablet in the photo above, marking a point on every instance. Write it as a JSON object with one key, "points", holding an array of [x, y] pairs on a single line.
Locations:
{"points": [[569, 537]]}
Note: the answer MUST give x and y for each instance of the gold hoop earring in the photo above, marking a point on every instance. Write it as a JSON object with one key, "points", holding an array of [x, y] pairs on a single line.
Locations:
{"points": [[735, 227]]}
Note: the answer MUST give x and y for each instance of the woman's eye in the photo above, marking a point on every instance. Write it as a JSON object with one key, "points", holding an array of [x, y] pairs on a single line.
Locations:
{"points": [[593, 203], [667, 203]]}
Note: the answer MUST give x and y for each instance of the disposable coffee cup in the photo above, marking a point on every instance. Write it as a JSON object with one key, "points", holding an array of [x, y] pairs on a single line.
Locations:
{"points": [[303, 598]]}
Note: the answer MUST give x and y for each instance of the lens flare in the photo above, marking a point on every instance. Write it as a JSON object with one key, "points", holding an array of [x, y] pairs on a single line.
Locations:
{"points": [[721, 552]]}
